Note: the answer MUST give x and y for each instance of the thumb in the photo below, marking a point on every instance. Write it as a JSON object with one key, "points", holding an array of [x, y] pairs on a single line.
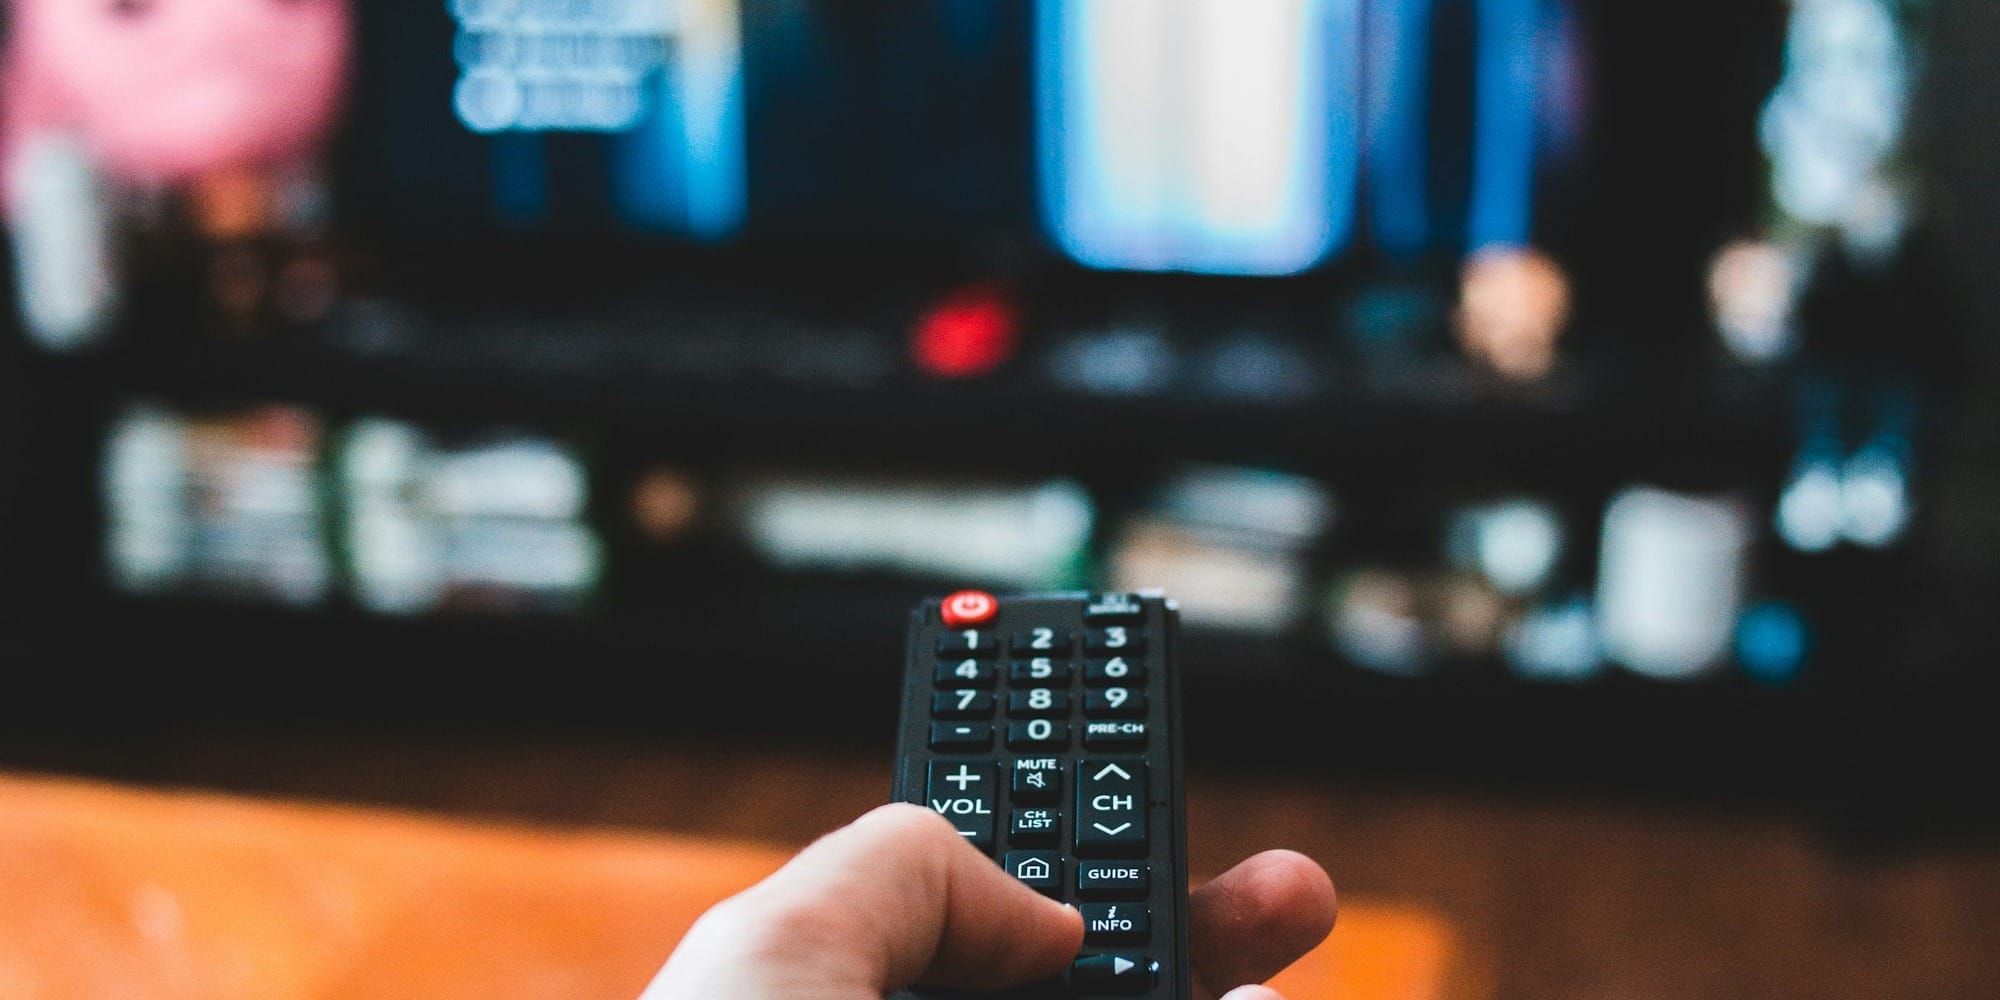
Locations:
{"points": [[895, 898]]}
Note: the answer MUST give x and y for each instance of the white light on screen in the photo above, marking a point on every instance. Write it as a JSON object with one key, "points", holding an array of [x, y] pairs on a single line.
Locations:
{"points": [[1837, 118], [1198, 135], [1555, 642], [145, 481], [1028, 536], [59, 222], [1671, 581], [1513, 543], [498, 524], [1810, 512], [1874, 498]]}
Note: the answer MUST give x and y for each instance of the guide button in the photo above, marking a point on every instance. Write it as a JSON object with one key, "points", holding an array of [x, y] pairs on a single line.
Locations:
{"points": [[1112, 879]]}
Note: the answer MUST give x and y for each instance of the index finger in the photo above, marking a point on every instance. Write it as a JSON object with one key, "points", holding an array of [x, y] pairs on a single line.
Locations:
{"points": [[896, 897]]}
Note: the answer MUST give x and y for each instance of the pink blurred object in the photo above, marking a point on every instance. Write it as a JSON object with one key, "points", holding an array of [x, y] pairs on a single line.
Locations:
{"points": [[162, 92]]}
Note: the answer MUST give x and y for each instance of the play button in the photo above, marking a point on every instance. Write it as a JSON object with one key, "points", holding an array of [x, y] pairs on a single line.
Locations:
{"points": [[1114, 974]]}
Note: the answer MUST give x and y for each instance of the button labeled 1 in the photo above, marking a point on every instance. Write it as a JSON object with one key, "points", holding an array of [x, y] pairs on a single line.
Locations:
{"points": [[1111, 807]]}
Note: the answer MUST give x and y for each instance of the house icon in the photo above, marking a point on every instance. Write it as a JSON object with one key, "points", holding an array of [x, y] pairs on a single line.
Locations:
{"points": [[1033, 870]]}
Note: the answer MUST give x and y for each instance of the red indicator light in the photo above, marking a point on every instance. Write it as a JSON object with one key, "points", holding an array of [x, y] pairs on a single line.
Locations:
{"points": [[971, 332]]}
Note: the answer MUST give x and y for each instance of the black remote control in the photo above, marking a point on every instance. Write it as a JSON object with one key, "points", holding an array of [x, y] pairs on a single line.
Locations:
{"points": [[1046, 728]]}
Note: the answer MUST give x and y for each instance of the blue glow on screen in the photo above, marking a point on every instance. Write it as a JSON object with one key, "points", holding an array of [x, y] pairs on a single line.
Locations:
{"points": [[1508, 76], [1198, 135], [1399, 42], [1503, 141], [661, 84], [683, 169], [1772, 642]]}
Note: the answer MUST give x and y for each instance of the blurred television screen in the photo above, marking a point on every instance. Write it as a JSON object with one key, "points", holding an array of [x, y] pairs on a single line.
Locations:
{"points": [[1411, 343]]}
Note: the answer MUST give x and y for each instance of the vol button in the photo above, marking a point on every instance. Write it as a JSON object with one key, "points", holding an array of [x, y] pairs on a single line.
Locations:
{"points": [[963, 793]]}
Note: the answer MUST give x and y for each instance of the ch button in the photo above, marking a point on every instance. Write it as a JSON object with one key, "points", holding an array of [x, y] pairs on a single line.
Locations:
{"points": [[1111, 807]]}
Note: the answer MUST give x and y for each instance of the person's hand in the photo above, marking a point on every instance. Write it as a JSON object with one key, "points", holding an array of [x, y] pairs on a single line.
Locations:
{"points": [[899, 898]]}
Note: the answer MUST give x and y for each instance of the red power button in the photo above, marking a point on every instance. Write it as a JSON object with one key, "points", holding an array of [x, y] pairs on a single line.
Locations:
{"points": [[969, 608]]}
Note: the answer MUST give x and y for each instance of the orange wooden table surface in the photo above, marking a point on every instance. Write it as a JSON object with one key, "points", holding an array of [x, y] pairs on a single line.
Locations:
{"points": [[135, 895]]}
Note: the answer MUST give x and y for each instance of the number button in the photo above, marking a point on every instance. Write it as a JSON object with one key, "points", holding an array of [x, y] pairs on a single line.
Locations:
{"points": [[965, 673], [1116, 701], [1038, 701], [1037, 734], [1041, 641], [1040, 670], [967, 642], [1116, 670], [1120, 639], [964, 703]]}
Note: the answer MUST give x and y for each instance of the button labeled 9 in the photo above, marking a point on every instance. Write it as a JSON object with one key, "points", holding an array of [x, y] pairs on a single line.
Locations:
{"points": [[1116, 701]]}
